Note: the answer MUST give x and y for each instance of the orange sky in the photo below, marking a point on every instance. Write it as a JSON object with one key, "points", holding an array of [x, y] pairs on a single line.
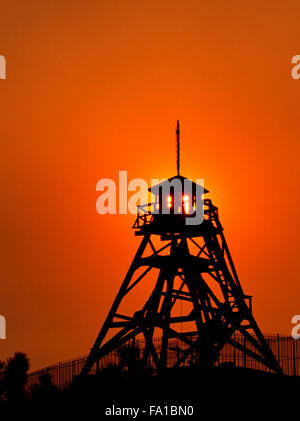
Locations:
{"points": [[96, 87]]}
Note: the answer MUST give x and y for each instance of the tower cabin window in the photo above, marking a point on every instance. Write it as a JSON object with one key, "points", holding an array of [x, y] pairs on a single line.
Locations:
{"points": [[187, 204]]}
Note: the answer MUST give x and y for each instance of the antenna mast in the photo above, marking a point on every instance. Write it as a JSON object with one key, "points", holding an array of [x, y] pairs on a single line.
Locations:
{"points": [[178, 146]]}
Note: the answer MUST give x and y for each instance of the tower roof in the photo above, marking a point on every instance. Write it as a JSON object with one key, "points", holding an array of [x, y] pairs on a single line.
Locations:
{"points": [[181, 178]]}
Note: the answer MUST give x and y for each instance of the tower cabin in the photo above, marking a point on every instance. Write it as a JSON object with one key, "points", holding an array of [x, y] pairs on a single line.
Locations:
{"points": [[177, 195], [175, 199]]}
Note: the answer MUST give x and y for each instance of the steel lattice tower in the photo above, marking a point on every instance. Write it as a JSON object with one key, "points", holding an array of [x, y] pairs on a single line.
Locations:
{"points": [[196, 287]]}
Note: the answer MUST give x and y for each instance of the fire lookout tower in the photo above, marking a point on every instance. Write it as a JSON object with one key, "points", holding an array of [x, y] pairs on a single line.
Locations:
{"points": [[196, 297]]}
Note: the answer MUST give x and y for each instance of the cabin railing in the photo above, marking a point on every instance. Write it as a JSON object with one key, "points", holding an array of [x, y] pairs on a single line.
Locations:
{"points": [[146, 213]]}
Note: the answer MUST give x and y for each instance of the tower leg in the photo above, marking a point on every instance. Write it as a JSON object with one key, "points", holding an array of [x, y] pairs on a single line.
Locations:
{"points": [[92, 358]]}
